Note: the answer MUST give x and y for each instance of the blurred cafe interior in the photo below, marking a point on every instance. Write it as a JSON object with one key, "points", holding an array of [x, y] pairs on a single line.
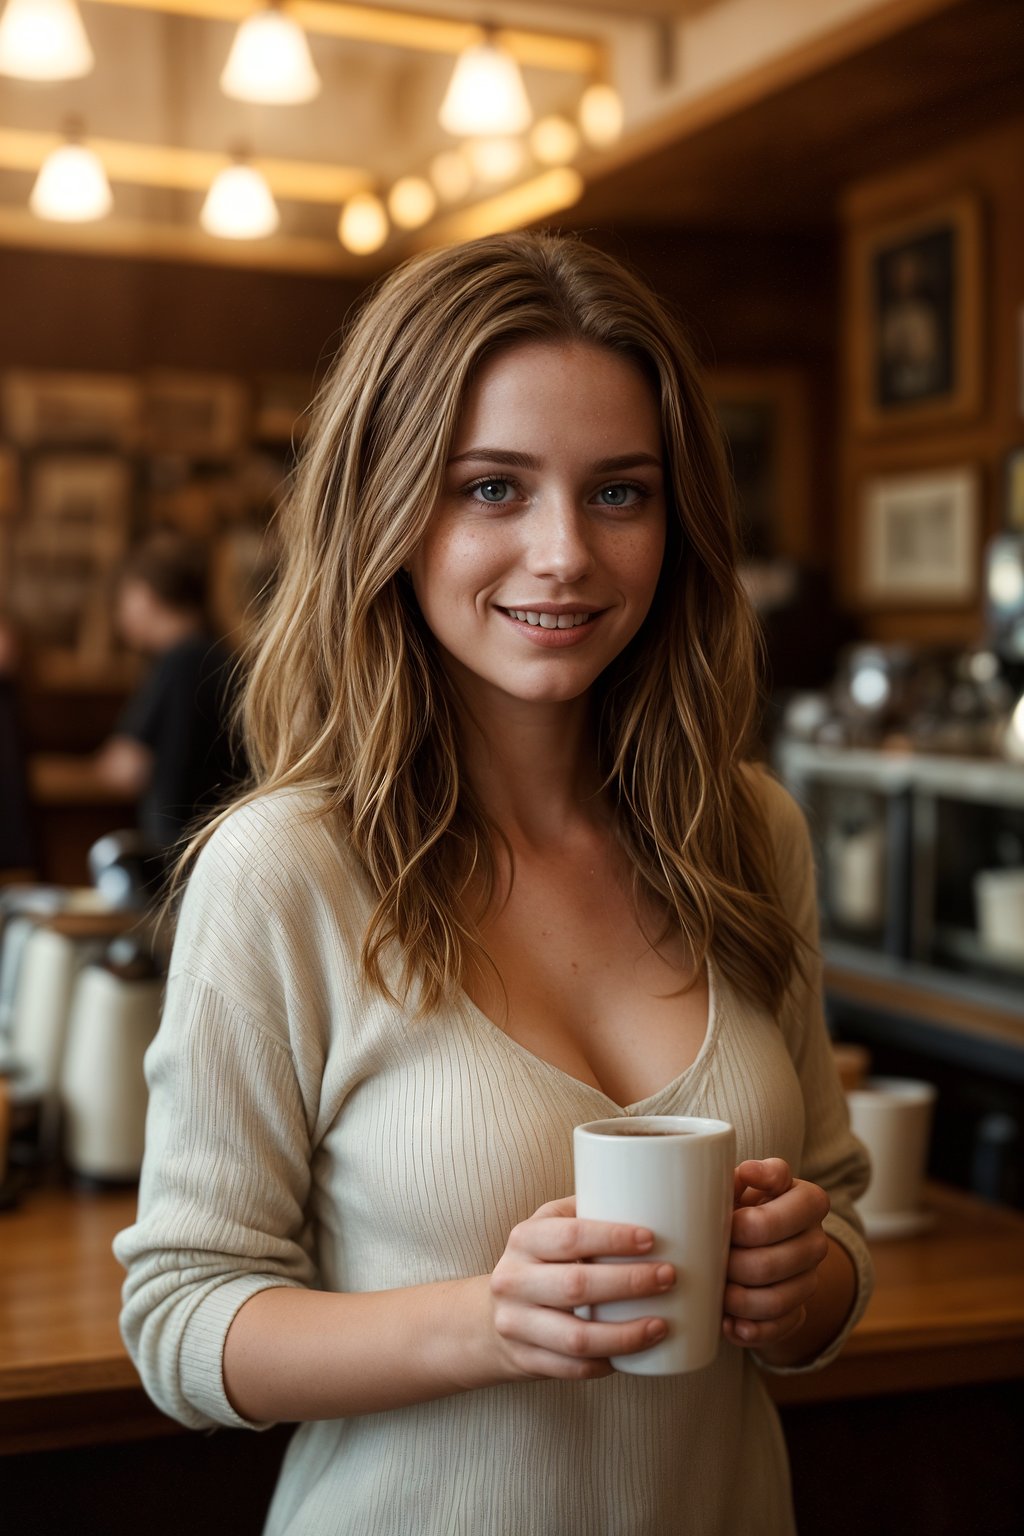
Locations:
{"points": [[830, 193]]}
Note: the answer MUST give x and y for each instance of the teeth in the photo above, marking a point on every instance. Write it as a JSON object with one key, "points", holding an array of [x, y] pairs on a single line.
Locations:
{"points": [[548, 620]]}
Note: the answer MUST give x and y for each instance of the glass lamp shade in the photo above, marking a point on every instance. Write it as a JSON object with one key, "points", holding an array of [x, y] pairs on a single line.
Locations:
{"points": [[363, 225], [239, 205], [601, 115], [554, 140], [411, 202], [485, 95], [43, 40], [72, 186], [270, 62]]}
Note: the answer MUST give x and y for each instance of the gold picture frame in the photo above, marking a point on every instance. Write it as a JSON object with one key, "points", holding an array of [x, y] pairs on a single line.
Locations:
{"points": [[919, 539], [915, 318]]}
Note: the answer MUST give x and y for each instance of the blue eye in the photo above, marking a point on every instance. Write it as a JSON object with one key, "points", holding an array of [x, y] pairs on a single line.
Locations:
{"points": [[492, 490], [621, 495]]}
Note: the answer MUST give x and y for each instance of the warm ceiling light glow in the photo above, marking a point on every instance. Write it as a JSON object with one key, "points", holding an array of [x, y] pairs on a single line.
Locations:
{"points": [[601, 115], [485, 94], [495, 160], [554, 140], [270, 61], [451, 174], [239, 205], [72, 186], [43, 40], [412, 202], [363, 226]]}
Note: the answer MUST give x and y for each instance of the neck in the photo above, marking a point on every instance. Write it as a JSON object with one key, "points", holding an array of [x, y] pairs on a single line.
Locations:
{"points": [[533, 766]]}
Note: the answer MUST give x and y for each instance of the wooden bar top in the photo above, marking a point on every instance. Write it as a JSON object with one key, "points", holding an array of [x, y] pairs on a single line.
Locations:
{"points": [[948, 1309]]}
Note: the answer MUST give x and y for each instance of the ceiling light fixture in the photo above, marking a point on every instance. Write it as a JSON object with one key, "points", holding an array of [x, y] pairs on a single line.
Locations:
{"points": [[485, 95], [601, 115], [363, 225], [239, 205], [554, 140], [72, 186], [270, 61], [412, 202], [44, 40]]}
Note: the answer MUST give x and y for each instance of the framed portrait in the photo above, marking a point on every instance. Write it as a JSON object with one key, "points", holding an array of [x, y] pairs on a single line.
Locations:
{"points": [[763, 415], [915, 318], [919, 539], [71, 409], [194, 415], [79, 505]]}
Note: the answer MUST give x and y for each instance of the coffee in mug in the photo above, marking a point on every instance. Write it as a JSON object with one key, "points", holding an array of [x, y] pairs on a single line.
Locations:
{"points": [[673, 1174]]}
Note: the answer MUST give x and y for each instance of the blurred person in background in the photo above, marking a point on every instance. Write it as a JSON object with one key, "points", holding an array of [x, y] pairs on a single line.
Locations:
{"points": [[16, 852], [172, 745]]}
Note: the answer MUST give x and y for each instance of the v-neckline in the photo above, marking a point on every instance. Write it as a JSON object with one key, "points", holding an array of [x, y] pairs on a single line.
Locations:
{"points": [[516, 1048]]}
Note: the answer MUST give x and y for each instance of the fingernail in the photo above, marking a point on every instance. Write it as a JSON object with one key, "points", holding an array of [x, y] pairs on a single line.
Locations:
{"points": [[655, 1331], [664, 1276], [644, 1239]]}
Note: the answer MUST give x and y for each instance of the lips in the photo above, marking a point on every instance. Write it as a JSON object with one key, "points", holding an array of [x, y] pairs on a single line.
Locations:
{"points": [[549, 620]]}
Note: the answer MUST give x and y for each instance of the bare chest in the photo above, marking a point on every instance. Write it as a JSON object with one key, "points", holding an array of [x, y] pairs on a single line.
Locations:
{"points": [[583, 987]]}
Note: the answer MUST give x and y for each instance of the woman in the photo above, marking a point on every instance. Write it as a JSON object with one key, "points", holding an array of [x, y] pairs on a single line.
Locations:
{"points": [[505, 871]]}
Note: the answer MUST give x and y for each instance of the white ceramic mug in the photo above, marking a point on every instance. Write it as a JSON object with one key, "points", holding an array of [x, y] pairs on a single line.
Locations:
{"points": [[892, 1116], [673, 1174]]}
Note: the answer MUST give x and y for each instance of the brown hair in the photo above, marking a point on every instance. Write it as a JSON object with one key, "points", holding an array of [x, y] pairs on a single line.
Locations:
{"points": [[346, 695], [173, 567]]}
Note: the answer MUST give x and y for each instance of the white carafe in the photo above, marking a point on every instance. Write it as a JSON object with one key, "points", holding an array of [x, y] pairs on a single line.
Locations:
{"points": [[114, 1016], [54, 953]]}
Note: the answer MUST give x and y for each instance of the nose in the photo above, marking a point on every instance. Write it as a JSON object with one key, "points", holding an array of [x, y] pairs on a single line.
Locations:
{"points": [[559, 541]]}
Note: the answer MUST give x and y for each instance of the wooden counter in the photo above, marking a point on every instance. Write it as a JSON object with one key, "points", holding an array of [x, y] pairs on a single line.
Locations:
{"points": [[948, 1309]]}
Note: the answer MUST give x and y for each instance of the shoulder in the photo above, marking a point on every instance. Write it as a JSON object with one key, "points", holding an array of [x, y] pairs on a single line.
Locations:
{"points": [[281, 851]]}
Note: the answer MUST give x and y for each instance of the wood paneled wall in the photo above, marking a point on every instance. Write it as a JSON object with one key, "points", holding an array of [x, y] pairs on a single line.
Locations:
{"points": [[989, 166]]}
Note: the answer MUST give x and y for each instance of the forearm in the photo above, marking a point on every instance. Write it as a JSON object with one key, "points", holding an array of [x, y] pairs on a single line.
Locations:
{"points": [[294, 1354], [826, 1312]]}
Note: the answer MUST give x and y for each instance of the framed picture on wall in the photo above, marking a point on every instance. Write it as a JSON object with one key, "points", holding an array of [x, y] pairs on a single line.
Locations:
{"points": [[196, 416], [915, 318], [919, 539], [71, 409], [763, 414]]}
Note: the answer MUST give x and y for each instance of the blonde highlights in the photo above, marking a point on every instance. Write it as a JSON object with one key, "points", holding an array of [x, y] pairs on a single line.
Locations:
{"points": [[345, 693]]}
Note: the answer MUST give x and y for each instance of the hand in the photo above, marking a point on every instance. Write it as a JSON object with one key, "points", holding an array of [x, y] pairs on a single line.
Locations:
{"points": [[538, 1281], [777, 1246]]}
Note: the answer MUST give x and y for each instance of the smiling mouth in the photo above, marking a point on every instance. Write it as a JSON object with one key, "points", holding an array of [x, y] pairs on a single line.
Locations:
{"points": [[550, 620]]}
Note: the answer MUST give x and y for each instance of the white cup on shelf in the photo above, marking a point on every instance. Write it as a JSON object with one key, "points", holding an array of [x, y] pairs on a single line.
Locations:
{"points": [[892, 1116]]}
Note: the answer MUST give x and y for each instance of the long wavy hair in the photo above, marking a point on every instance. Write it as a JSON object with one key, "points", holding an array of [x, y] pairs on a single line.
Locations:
{"points": [[346, 695]]}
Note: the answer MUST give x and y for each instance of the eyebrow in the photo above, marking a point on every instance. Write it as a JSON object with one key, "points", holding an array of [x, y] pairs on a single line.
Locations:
{"points": [[528, 461]]}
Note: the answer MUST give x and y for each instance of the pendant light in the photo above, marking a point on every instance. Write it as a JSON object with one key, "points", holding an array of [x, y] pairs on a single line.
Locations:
{"points": [[72, 185], [412, 202], [601, 115], [43, 40], [363, 225], [270, 61], [485, 95], [239, 205], [554, 140]]}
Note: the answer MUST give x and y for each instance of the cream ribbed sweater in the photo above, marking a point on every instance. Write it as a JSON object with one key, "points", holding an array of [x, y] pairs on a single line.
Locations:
{"points": [[301, 1133]]}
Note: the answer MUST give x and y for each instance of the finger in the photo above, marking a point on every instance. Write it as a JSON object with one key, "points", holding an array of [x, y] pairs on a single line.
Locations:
{"points": [[770, 1265], [564, 1334], [540, 1363], [769, 1303], [572, 1238], [800, 1209], [759, 1179], [751, 1335], [578, 1285]]}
